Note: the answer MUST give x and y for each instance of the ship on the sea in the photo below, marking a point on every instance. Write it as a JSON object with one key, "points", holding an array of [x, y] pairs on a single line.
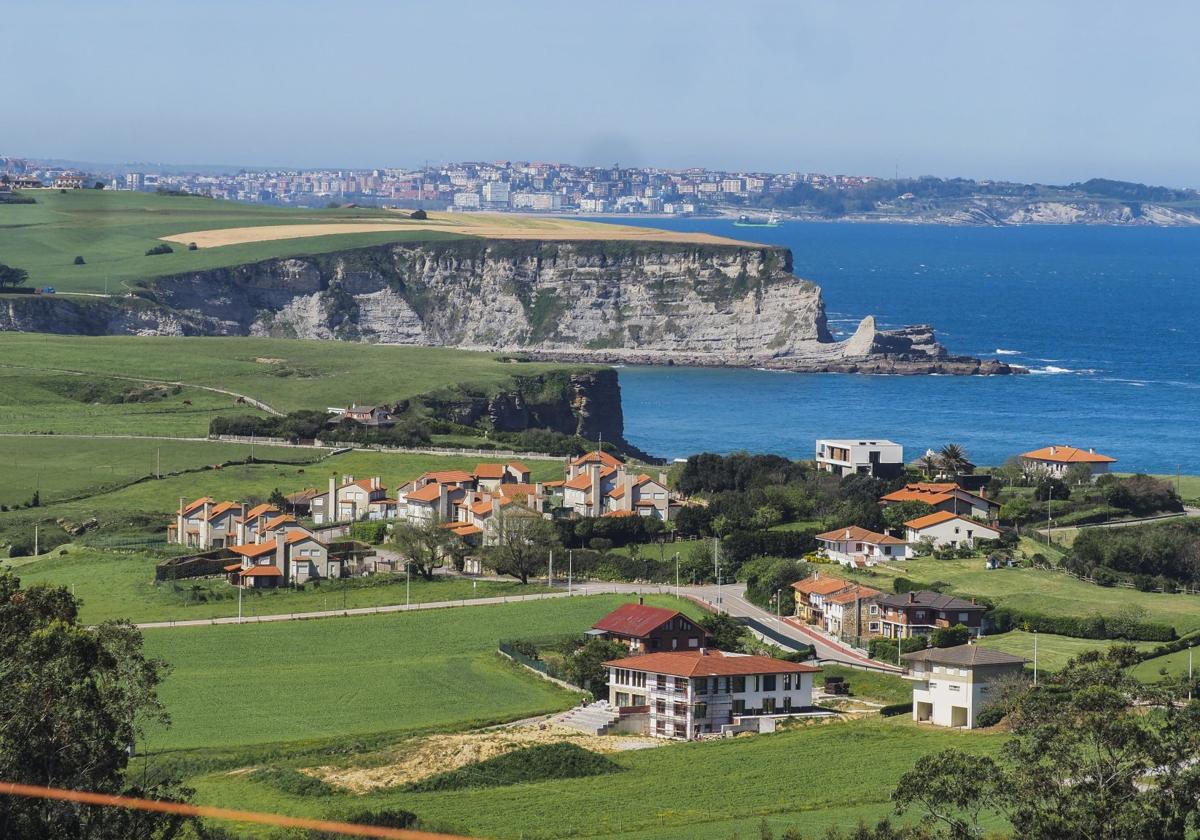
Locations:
{"points": [[757, 221]]}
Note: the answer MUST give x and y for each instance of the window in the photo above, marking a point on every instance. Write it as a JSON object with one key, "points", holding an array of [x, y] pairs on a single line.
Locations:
{"points": [[693, 642], [920, 614], [701, 685], [787, 703], [873, 627], [953, 687], [660, 706], [739, 707], [768, 705], [787, 682], [768, 682], [660, 682], [680, 710], [874, 610], [701, 710], [964, 616], [739, 685]]}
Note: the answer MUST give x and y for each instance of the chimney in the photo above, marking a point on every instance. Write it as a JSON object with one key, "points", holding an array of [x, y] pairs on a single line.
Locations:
{"points": [[206, 526], [375, 482], [597, 501], [912, 598], [280, 551], [627, 499], [1053, 450], [703, 651], [331, 505], [662, 479], [443, 510]]}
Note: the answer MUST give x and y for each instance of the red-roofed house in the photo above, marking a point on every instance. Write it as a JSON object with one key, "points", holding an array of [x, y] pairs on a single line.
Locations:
{"points": [[946, 496], [685, 694], [1056, 460], [352, 500], [295, 555], [947, 529], [644, 629], [598, 484], [205, 524], [811, 593], [492, 476], [855, 546]]}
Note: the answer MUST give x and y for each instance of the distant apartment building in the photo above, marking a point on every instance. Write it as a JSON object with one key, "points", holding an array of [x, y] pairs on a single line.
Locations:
{"points": [[496, 193], [882, 458], [593, 205], [466, 201], [536, 201]]}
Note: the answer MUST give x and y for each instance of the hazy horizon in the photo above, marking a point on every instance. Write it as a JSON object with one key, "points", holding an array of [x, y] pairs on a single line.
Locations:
{"points": [[1049, 93]]}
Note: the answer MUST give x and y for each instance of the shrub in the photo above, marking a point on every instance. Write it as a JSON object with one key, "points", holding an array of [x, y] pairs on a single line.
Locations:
{"points": [[896, 709], [990, 715], [291, 781], [1003, 619], [192, 246], [885, 649], [529, 764], [162, 248], [945, 637], [79, 261], [369, 532]]}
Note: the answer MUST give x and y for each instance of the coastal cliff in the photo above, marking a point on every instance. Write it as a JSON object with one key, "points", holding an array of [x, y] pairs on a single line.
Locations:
{"points": [[659, 303]]}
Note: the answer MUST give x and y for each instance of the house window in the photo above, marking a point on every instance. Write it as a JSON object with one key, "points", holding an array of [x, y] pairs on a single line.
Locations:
{"points": [[920, 614], [787, 703], [701, 685], [768, 682], [680, 710], [693, 642], [768, 705], [660, 706], [739, 685], [739, 707], [963, 616], [701, 710], [874, 609], [661, 682], [787, 682], [953, 687], [873, 627]]}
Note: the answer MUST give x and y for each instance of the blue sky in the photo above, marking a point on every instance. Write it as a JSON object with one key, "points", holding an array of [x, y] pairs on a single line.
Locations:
{"points": [[1048, 91]]}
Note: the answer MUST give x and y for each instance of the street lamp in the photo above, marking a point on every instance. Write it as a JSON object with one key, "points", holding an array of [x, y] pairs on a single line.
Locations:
{"points": [[778, 603], [408, 583], [677, 592]]}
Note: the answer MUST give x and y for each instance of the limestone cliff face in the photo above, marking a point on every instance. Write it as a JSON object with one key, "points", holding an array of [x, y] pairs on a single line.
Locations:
{"points": [[657, 303]]}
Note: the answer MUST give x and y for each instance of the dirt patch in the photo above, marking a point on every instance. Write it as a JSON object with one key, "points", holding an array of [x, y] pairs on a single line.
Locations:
{"points": [[267, 360], [489, 226], [440, 753]]}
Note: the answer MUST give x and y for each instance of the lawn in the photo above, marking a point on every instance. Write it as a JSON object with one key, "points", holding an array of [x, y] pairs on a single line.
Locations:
{"points": [[1173, 664], [62, 467], [1035, 590], [870, 685], [808, 778], [1052, 651], [241, 685], [287, 374], [115, 585]]}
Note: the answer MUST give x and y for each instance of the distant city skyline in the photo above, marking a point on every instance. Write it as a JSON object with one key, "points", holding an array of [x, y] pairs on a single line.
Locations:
{"points": [[1023, 91]]}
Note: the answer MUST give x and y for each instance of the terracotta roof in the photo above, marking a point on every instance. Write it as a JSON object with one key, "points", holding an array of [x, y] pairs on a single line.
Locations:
{"points": [[635, 619], [964, 655], [450, 476], [259, 510], [262, 571], [553, 483], [233, 567], [580, 482], [597, 456], [429, 493], [712, 663], [934, 494], [489, 471], [484, 508], [852, 595], [196, 504], [517, 466], [857, 534], [513, 490], [223, 508], [465, 529], [253, 549], [275, 522], [306, 495], [820, 586], [943, 516], [618, 513], [1068, 455]]}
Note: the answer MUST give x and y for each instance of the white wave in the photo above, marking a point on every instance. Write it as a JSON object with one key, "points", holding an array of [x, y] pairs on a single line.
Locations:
{"points": [[1050, 369], [1000, 351]]}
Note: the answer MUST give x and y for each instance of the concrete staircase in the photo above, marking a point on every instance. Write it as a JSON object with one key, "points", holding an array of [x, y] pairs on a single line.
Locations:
{"points": [[594, 719]]}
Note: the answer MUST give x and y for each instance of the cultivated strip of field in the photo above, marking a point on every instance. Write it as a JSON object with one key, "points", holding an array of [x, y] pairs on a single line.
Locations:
{"points": [[491, 226]]}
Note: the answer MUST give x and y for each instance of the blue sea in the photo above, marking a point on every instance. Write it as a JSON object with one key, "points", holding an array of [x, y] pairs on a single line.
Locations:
{"points": [[1105, 317]]}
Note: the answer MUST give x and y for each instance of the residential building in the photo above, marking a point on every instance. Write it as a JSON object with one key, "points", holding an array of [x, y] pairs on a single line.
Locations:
{"points": [[852, 613], [253, 521], [467, 200], [290, 555], [490, 476], [855, 546], [645, 629], [496, 193], [1057, 460], [881, 458], [945, 496], [69, 182], [686, 694], [811, 593], [920, 613], [942, 529], [599, 484], [952, 685], [536, 201], [374, 416], [353, 500], [205, 524]]}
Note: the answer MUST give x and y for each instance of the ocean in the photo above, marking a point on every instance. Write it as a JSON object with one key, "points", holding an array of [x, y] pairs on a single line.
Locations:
{"points": [[1104, 317]]}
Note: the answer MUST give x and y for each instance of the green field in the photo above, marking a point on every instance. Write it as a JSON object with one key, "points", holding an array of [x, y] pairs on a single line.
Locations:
{"points": [[286, 374], [870, 685], [1052, 651], [810, 778], [232, 685], [113, 230], [61, 467], [115, 585], [1038, 591]]}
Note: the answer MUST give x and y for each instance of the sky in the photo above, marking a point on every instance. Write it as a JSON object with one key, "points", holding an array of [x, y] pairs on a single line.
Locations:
{"points": [[1024, 90]]}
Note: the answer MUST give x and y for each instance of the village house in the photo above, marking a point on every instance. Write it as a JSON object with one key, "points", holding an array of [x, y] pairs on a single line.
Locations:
{"points": [[645, 629], [811, 593], [881, 458], [68, 181], [945, 496], [371, 416], [920, 613], [852, 613], [250, 525], [858, 547], [687, 694], [598, 484], [291, 554], [490, 477], [205, 524], [944, 529], [952, 685], [353, 500], [1057, 460]]}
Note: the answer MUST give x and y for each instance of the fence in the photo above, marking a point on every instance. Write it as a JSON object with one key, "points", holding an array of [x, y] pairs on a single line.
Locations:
{"points": [[196, 565]]}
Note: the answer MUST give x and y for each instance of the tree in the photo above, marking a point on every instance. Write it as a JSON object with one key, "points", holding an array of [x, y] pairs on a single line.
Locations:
{"points": [[424, 545], [896, 515], [724, 628], [1079, 475], [278, 499], [953, 459], [12, 276], [79, 261], [1049, 487], [523, 542], [928, 464], [73, 700], [99, 185], [944, 637], [585, 667], [1095, 755], [420, 215]]}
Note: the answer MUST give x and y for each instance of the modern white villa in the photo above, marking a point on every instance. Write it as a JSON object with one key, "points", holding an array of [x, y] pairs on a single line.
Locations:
{"points": [[883, 458], [855, 546], [952, 685]]}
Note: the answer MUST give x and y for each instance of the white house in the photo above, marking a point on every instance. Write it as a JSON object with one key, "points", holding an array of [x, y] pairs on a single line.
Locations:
{"points": [[855, 546], [873, 457], [1057, 460], [952, 685], [689, 693], [948, 529], [945, 496]]}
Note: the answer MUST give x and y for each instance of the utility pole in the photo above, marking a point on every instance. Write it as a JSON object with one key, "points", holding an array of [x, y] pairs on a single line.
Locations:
{"points": [[570, 568], [1035, 657], [241, 586], [35, 540], [407, 583], [550, 574], [1189, 673], [778, 603], [1049, 496], [677, 592], [158, 462]]}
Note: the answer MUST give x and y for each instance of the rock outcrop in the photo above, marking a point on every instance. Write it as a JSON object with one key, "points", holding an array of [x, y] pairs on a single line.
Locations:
{"points": [[657, 303]]}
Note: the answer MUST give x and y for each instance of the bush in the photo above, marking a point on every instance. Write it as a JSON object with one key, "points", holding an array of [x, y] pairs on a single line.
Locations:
{"points": [[418, 214], [369, 532], [291, 781], [529, 764], [896, 709], [945, 637], [162, 248], [990, 715], [740, 546], [1003, 619], [884, 650], [79, 261]]}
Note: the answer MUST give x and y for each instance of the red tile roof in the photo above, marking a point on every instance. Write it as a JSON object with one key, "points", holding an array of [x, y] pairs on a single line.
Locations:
{"points": [[429, 493], [635, 620], [262, 571], [518, 467], [597, 456], [260, 510], [489, 471], [820, 586], [709, 664], [851, 595], [450, 476], [580, 482], [618, 513], [857, 534], [253, 549], [943, 516], [223, 508], [1068, 455], [196, 504]]}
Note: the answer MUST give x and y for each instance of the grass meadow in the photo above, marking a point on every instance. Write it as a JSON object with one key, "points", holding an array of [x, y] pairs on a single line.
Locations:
{"points": [[1052, 651]]}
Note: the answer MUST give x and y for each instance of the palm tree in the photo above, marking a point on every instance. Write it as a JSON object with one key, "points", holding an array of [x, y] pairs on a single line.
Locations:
{"points": [[953, 458], [928, 464]]}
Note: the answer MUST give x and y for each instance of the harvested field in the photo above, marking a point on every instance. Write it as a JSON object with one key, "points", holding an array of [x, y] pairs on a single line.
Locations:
{"points": [[435, 754], [491, 226]]}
